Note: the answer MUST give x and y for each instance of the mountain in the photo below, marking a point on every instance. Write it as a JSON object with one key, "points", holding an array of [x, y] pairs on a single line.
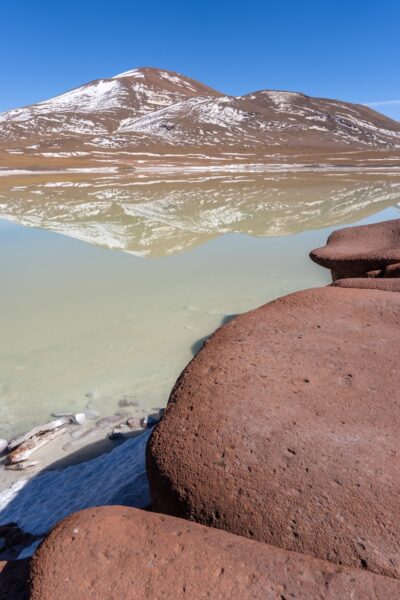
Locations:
{"points": [[162, 115], [102, 106], [266, 118]]}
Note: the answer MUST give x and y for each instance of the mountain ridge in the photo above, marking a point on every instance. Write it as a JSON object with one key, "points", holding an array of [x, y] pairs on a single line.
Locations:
{"points": [[155, 110]]}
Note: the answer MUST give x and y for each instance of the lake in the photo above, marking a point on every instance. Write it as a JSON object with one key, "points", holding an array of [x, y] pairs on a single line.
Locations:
{"points": [[109, 286]]}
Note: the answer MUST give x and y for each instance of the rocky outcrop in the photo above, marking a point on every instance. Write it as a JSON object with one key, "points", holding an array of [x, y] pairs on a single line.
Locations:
{"points": [[356, 251], [14, 580], [369, 283], [284, 428], [123, 553]]}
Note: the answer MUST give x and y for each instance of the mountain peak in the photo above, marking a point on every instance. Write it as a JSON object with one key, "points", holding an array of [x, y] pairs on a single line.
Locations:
{"points": [[136, 73], [141, 72], [162, 78]]}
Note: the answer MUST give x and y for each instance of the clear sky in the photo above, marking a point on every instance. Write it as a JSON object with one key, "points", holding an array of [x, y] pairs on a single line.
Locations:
{"points": [[341, 49]]}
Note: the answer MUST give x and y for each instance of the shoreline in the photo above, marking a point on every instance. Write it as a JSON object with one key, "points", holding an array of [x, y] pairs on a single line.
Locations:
{"points": [[225, 169], [78, 455]]}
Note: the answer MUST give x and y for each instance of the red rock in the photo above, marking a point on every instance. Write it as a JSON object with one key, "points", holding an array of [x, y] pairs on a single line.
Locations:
{"points": [[392, 270], [376, 283], [354, 251], [14, 580], [378, 273], [117, 553], [285, 428]]}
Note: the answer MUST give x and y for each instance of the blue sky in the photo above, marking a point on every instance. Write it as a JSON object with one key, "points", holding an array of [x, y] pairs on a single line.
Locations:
{"points": [[348, 50]]}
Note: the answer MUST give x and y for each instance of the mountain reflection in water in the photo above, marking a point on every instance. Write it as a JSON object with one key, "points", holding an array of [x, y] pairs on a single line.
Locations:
{"points": [[154, 219]]}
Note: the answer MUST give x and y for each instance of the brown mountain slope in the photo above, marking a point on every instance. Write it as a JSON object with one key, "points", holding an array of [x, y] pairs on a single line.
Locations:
{"points": [[159, 113]]}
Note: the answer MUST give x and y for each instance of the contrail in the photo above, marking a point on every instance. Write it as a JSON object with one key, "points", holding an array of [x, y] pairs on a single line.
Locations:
{"points": [[382, 103]]}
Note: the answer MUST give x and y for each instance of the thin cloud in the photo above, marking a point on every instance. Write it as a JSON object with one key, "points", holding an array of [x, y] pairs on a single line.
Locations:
{"points": [[383, 103]]}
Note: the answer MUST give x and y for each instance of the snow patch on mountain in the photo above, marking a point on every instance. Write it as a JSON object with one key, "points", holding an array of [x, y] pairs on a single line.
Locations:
{"points": [[283, 100], [137, 73], [219, 112], [171, 124], [100, 95]]}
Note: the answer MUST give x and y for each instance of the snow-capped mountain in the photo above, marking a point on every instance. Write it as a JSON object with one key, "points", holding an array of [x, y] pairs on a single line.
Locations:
{"points": [[265, 118], [101, 106], [152, 110]]}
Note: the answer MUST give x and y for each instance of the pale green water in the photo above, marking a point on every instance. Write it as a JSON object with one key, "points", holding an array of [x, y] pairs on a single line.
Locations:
{"points": [[78, 320]]}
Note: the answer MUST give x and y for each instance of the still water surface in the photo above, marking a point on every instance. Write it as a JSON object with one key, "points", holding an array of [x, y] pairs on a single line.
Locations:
{"points": [[92, 323]]}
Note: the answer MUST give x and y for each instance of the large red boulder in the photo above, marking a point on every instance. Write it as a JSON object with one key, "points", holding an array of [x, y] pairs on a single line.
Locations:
{"points": [[369, 283], [285, 429], [354, 251], [116, 553]]}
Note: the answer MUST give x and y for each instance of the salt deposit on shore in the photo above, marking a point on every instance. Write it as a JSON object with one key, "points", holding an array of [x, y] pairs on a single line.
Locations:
{"points": [[37, 503]]}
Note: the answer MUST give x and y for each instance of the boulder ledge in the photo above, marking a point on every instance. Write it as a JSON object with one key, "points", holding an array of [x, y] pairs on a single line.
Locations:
{"points": [[115, 553], [356, 251], [369, 283]]}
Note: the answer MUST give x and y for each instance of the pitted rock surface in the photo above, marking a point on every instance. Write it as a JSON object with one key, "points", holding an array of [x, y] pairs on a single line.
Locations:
{"points": [[115, 553], [369, 283], [354, 251], [285, 429]]}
